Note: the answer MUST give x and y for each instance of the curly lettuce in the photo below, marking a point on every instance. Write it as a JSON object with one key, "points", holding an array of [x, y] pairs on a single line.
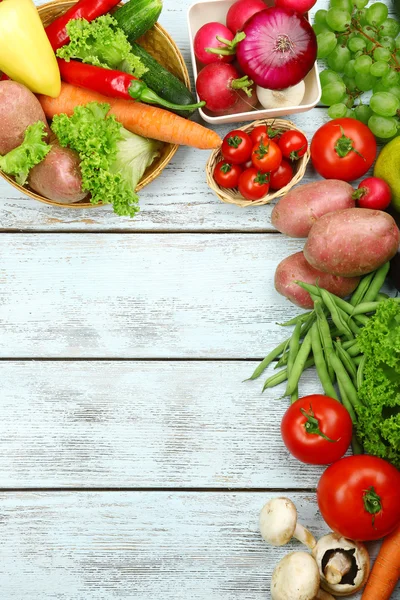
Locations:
{"points": [[112, 159], [101, 43], [31, 152], [379, 415]]}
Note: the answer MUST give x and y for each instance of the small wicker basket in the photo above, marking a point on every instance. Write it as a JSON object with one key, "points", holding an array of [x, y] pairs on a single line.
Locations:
{"points": [[232, 196], [162, 47]]}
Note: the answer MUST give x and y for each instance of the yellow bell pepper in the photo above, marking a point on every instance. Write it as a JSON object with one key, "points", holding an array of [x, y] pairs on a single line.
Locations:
{"points": [[26, 55]]}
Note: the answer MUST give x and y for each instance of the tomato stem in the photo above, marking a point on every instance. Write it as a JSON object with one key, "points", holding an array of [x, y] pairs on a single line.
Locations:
{"points": [[344, 145], [372, 503], [312, 425]]}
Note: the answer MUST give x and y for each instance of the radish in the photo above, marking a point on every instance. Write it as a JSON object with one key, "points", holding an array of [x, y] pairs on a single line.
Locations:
{"points": [[215, 43], [302, 6], [217, 85], [241, 11], [244, 104]]}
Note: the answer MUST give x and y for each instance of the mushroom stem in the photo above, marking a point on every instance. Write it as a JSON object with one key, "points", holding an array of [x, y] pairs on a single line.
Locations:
{"points": [[337, 566], [322, 595], [304, 536]]}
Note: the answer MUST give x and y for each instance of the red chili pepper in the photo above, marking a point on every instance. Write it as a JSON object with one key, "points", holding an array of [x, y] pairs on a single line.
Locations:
{"points": [[84, 9], [114, 84]]}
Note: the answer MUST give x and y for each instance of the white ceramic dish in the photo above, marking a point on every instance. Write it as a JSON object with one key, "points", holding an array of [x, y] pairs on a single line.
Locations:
{"points": [[215, 10]]}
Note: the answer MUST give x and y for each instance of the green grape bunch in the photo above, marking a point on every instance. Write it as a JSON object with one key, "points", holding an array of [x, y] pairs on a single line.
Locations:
{"points": [[361, 47]]}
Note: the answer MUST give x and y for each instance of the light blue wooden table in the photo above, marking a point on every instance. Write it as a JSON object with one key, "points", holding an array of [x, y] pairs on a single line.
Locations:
{"points": [[133, 461]]}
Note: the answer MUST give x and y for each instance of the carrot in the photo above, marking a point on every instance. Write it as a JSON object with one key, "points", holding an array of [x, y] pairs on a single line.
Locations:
{"points": [[142, 119], [386, 571]]}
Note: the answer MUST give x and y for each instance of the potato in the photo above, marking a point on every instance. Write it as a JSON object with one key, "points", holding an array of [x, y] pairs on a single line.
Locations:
{"points": [[296, 212], [352, 242], [19, 108], [58, 177], [296, 268]]}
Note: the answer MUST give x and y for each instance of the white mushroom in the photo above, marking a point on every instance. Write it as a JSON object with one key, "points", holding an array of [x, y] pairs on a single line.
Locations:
{"points": [[278, 524], [296, 577], [343, 564]]}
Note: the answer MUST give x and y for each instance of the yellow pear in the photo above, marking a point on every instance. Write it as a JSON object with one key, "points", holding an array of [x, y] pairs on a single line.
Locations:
{"points": [[387, 167]]}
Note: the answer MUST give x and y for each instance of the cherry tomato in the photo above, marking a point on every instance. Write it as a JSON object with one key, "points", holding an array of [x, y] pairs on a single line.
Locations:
{"points": [[317, 429], [253, 184], [343, 149], [358, 497], [227, 175], [266, 156], [373, 193], [258, 133], [293, 144], [282, 176], [237, 147]]}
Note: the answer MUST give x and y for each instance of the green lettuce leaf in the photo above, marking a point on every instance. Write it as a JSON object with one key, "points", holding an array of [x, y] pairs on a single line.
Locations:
{"points": [[31, 152], [112, 159], [101, 43]]}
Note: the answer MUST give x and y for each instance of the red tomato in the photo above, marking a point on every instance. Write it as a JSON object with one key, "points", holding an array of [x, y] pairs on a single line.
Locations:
{"points": [[237, 147], [358, 496], [266, 156], [308, 423], [227, 175], [373, 193], [293, 144], [253, 184], [343, 149], [282, 176], [258, 133]]}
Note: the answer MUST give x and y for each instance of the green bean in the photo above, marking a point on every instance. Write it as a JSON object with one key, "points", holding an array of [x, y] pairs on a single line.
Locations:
{"points": [[303, 317], [345, 306], [325, 336], [365, 307], [354, 350], [344, 379], [321, 365], [357, 360], [360, 371], [298, 366], [354, 328], [283, 359], [361, 290], [376, 283], [347, 362], [294, 348], [305, 328], [346, 403], [381, 297], [348, 344], [283, 375], [268, 360], [356, 445], [336, 314], [294, 396]]}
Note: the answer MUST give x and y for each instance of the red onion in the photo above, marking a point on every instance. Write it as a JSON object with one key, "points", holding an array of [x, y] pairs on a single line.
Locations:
{"points": [[279, 49]]}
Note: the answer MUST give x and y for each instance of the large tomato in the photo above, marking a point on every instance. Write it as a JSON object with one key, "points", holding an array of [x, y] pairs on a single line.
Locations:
{"points": [[343, 149], [359, 497], [317, 429]]}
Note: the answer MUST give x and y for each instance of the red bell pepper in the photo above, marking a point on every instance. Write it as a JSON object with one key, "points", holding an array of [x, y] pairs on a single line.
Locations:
{"points": [[84, 9], [114, 84]]}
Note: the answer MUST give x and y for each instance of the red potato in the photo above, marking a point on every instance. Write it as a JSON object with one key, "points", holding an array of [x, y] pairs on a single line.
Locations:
{"points": [[296, 268], [58, 177], [298, 210], [352, 242], [19, 108]]}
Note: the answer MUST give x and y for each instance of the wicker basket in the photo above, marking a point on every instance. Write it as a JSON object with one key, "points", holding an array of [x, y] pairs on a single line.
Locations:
{"points": [[232, 196], [162, 47]]}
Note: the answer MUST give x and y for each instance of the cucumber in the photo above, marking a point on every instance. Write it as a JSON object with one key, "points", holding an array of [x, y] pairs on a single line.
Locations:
{"points": [[163, 82], [138, 16]]}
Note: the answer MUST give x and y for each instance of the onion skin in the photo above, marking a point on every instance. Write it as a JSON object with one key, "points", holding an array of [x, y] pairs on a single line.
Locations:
{"points": [[279, 50]]}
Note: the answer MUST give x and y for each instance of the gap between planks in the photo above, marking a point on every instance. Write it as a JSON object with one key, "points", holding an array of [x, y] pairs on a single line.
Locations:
{"points": [[140, 231], [166, 490]]}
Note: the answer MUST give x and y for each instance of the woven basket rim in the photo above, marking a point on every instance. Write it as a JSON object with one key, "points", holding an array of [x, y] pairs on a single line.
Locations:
{"points": [[147, 178], [232, 196]]}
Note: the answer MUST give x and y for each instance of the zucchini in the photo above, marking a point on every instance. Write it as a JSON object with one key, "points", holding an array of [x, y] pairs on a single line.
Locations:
{"points": [[137, 16], [163, 82]]}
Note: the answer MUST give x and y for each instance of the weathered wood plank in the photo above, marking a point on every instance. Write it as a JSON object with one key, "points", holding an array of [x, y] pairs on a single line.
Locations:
{"points": [[139, 296], [144, 424], [63, 546]]}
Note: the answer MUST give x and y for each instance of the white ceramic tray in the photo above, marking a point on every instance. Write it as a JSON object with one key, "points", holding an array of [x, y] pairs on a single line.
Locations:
{"points": [[215, 10]]}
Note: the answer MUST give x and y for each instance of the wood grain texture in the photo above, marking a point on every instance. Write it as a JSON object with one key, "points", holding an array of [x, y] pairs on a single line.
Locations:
{"points": [[142, 546], [145, 424], [141, 296]]}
